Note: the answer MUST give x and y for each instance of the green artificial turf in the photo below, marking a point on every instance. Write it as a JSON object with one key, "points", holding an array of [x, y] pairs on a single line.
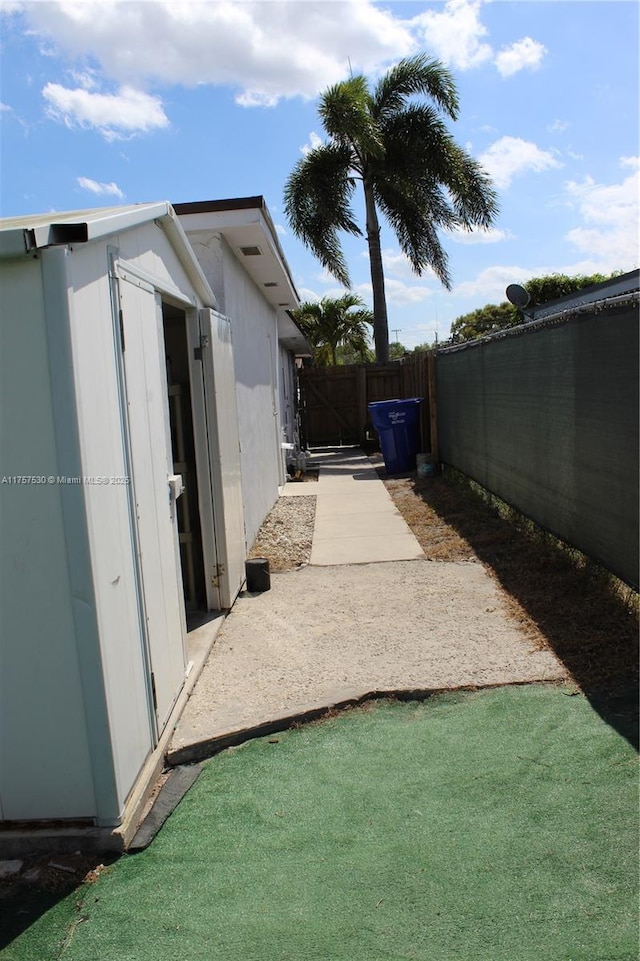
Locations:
{"points": [[489, 826]]}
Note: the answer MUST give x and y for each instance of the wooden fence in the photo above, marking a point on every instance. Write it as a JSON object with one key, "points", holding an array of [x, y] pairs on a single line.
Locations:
{"points": [[333, 400]]}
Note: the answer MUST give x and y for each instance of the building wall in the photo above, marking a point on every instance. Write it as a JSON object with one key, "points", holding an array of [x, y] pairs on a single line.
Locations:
{"points": [[45, 765], [256, 361], [255, 352]]}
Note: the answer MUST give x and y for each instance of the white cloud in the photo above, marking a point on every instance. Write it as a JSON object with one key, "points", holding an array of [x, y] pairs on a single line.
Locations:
{"points": [[525, 54], [511, 156], [95, 187], [314, 141], [87, 79], [491, 236], [558, 126], [306, 294], [492, 283], [324, 277], [116, 116], [455, 34], [5, 108], [395, 264], [265, 50], [397, 292], [611, 219], [280, 230]]}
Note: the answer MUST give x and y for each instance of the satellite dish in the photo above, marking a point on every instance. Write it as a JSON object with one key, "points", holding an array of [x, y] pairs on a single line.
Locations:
{"points": [[517, 295]]}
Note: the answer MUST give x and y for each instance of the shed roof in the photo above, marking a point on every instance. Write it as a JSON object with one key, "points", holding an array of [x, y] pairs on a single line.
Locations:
{"points": [[21, 236]]}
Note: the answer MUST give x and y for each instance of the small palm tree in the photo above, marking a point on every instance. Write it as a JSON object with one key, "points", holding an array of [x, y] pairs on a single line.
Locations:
{"points": [[335, 322], [410, 169]]}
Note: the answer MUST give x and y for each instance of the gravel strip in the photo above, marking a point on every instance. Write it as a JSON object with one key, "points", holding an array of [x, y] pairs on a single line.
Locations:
{"points": [[286, 535]]}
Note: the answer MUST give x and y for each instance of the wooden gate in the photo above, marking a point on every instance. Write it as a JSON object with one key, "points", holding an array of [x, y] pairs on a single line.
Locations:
{"points": [[333, 400]]}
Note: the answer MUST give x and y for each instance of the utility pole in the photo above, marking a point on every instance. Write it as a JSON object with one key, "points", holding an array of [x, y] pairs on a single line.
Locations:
{"points": [[396, 331]]}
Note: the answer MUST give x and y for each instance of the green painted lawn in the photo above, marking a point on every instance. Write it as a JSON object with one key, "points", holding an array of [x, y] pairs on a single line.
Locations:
{"points": [[492, 826]]}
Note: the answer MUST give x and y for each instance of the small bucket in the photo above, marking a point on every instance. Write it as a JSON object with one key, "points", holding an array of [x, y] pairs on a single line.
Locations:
{"points": [[426, 465], [257, 571]]}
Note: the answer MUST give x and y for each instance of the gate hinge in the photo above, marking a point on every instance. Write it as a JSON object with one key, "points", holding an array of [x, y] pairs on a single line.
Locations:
{"points": [[197, 351], [218, 573]]}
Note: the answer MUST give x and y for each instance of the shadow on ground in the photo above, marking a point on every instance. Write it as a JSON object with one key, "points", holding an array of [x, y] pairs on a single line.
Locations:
{"points": [[43, 882], [591, 629]]}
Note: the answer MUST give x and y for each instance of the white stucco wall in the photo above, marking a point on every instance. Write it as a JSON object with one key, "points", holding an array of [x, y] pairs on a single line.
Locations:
{"points": [[255, 352]]}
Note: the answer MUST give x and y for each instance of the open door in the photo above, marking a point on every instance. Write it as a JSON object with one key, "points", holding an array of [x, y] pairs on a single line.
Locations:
{"points": [[153, 490], [213, 390]]}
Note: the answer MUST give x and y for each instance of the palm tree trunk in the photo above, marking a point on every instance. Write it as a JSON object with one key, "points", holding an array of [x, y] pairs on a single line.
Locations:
{"points": [[380, 322]]}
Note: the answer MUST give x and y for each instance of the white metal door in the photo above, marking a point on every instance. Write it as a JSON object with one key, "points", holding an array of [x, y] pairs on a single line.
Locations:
{"points": [[211, 553], [219, 381], [153, 494]]}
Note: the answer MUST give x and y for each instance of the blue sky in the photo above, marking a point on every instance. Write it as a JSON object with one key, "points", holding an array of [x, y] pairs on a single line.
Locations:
{"points": [[124, 102]]}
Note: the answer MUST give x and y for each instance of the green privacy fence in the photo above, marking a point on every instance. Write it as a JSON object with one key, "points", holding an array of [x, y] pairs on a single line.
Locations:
{"points": [[546, 417]]}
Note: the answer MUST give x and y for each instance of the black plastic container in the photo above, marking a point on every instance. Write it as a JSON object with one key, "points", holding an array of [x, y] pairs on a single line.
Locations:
{"points": [[258, 578]]}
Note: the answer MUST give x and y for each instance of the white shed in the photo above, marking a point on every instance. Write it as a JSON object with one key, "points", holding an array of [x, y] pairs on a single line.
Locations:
{"points": [[120, 502], [237, 246]]}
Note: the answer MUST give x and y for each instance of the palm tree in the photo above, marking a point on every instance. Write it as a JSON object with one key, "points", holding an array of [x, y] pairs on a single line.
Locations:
{"points": [[334, 322], [410, 168]]}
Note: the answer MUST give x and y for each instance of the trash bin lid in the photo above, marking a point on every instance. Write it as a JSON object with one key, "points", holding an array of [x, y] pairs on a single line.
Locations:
{"points": [[394, 403]]}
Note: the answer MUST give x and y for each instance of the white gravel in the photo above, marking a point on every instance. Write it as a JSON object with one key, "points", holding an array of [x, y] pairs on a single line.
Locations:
{"points": [[321, 635]]}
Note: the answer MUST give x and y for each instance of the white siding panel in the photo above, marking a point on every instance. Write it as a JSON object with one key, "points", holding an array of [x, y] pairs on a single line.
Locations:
{"points": [[45, 769], [152, 466], [108, 517]]}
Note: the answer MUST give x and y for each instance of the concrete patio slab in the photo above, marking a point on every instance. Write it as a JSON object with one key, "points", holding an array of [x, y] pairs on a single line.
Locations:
{"points": [[326, 635], [369, 614]]}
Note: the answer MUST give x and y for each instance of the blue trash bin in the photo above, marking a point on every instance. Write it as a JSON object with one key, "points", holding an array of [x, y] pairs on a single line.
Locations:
{"points": [[398, 425]]}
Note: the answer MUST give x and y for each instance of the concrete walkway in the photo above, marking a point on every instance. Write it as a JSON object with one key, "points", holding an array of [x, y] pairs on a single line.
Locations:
{"points": [[356, 519], [369, 614]]}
